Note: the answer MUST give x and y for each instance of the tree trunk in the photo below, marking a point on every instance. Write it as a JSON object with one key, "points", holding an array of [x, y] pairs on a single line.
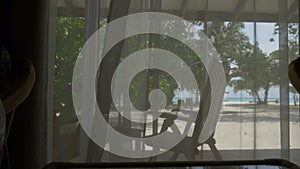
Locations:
{"points": [[266, 94], [258, 98]]}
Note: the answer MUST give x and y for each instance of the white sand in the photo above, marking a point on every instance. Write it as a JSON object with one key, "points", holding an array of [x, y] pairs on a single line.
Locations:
{"points": [[236, 128]]}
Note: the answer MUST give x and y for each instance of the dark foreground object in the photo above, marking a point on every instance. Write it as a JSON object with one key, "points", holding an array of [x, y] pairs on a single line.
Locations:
{"points": [[265, 164]]}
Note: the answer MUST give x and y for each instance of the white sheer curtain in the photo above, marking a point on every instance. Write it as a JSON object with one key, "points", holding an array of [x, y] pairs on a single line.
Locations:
{"points": [[254, 39]]}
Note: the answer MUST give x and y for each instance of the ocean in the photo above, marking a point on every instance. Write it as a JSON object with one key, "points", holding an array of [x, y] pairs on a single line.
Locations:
{"points": [[238, 100]]}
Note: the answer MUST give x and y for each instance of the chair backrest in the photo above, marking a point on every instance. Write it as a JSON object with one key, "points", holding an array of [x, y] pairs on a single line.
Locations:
{"points": [[20, 82], [203, 108], [20, 85], [212, 93]]}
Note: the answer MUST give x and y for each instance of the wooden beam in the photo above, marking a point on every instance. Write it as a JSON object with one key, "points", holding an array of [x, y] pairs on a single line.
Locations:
{"points": [[69, 7], [192, 15], [238, 8], [292, 9], [183, 7], [75, 12], [69, 4]]}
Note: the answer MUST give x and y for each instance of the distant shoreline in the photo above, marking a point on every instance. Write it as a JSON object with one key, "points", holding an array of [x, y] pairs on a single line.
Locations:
{"points": [[241, 100]]}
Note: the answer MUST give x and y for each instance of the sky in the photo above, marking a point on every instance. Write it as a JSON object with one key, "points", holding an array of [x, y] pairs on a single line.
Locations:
{"points": [[264, 32]]}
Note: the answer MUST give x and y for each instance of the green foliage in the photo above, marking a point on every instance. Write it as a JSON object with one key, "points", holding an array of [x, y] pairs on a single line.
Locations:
{"points": [[293, 43], [245, 69], [258, 73], [69, 41], [144, 82], [231, 44], [141, 86], [293, 39]]}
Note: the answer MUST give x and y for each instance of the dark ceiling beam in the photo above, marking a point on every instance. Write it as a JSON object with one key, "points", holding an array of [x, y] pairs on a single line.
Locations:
{"points": [[193, 15], [75, 12], [69, 6], [292, 9], [183, 7], [238, 8]]}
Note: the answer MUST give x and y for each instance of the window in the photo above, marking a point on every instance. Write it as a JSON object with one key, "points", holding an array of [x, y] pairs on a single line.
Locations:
{"points": [[253, 39]]}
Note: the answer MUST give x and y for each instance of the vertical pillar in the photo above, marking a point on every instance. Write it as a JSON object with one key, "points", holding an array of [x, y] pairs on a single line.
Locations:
{"points": [[50, 86], [284, 81], [155, 43], [91, 26], [255, 85]]}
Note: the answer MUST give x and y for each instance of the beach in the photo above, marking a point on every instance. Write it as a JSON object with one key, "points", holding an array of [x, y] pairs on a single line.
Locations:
{"points": [[245, 125], [249, 131]]}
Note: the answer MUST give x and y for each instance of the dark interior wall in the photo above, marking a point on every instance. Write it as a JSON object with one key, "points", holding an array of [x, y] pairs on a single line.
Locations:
{"points": [[23, 31], [4, 22]]}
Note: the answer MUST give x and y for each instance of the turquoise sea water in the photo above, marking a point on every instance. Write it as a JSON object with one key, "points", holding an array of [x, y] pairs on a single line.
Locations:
{"points": [[249, 99], [238, 100]]}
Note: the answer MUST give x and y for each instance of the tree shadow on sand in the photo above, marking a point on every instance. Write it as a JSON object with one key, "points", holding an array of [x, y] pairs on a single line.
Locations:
{"points": [[264, 113]]}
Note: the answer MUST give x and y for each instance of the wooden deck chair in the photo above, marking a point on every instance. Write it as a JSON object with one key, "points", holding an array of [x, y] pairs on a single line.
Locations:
{"points": [[189, 144]]}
